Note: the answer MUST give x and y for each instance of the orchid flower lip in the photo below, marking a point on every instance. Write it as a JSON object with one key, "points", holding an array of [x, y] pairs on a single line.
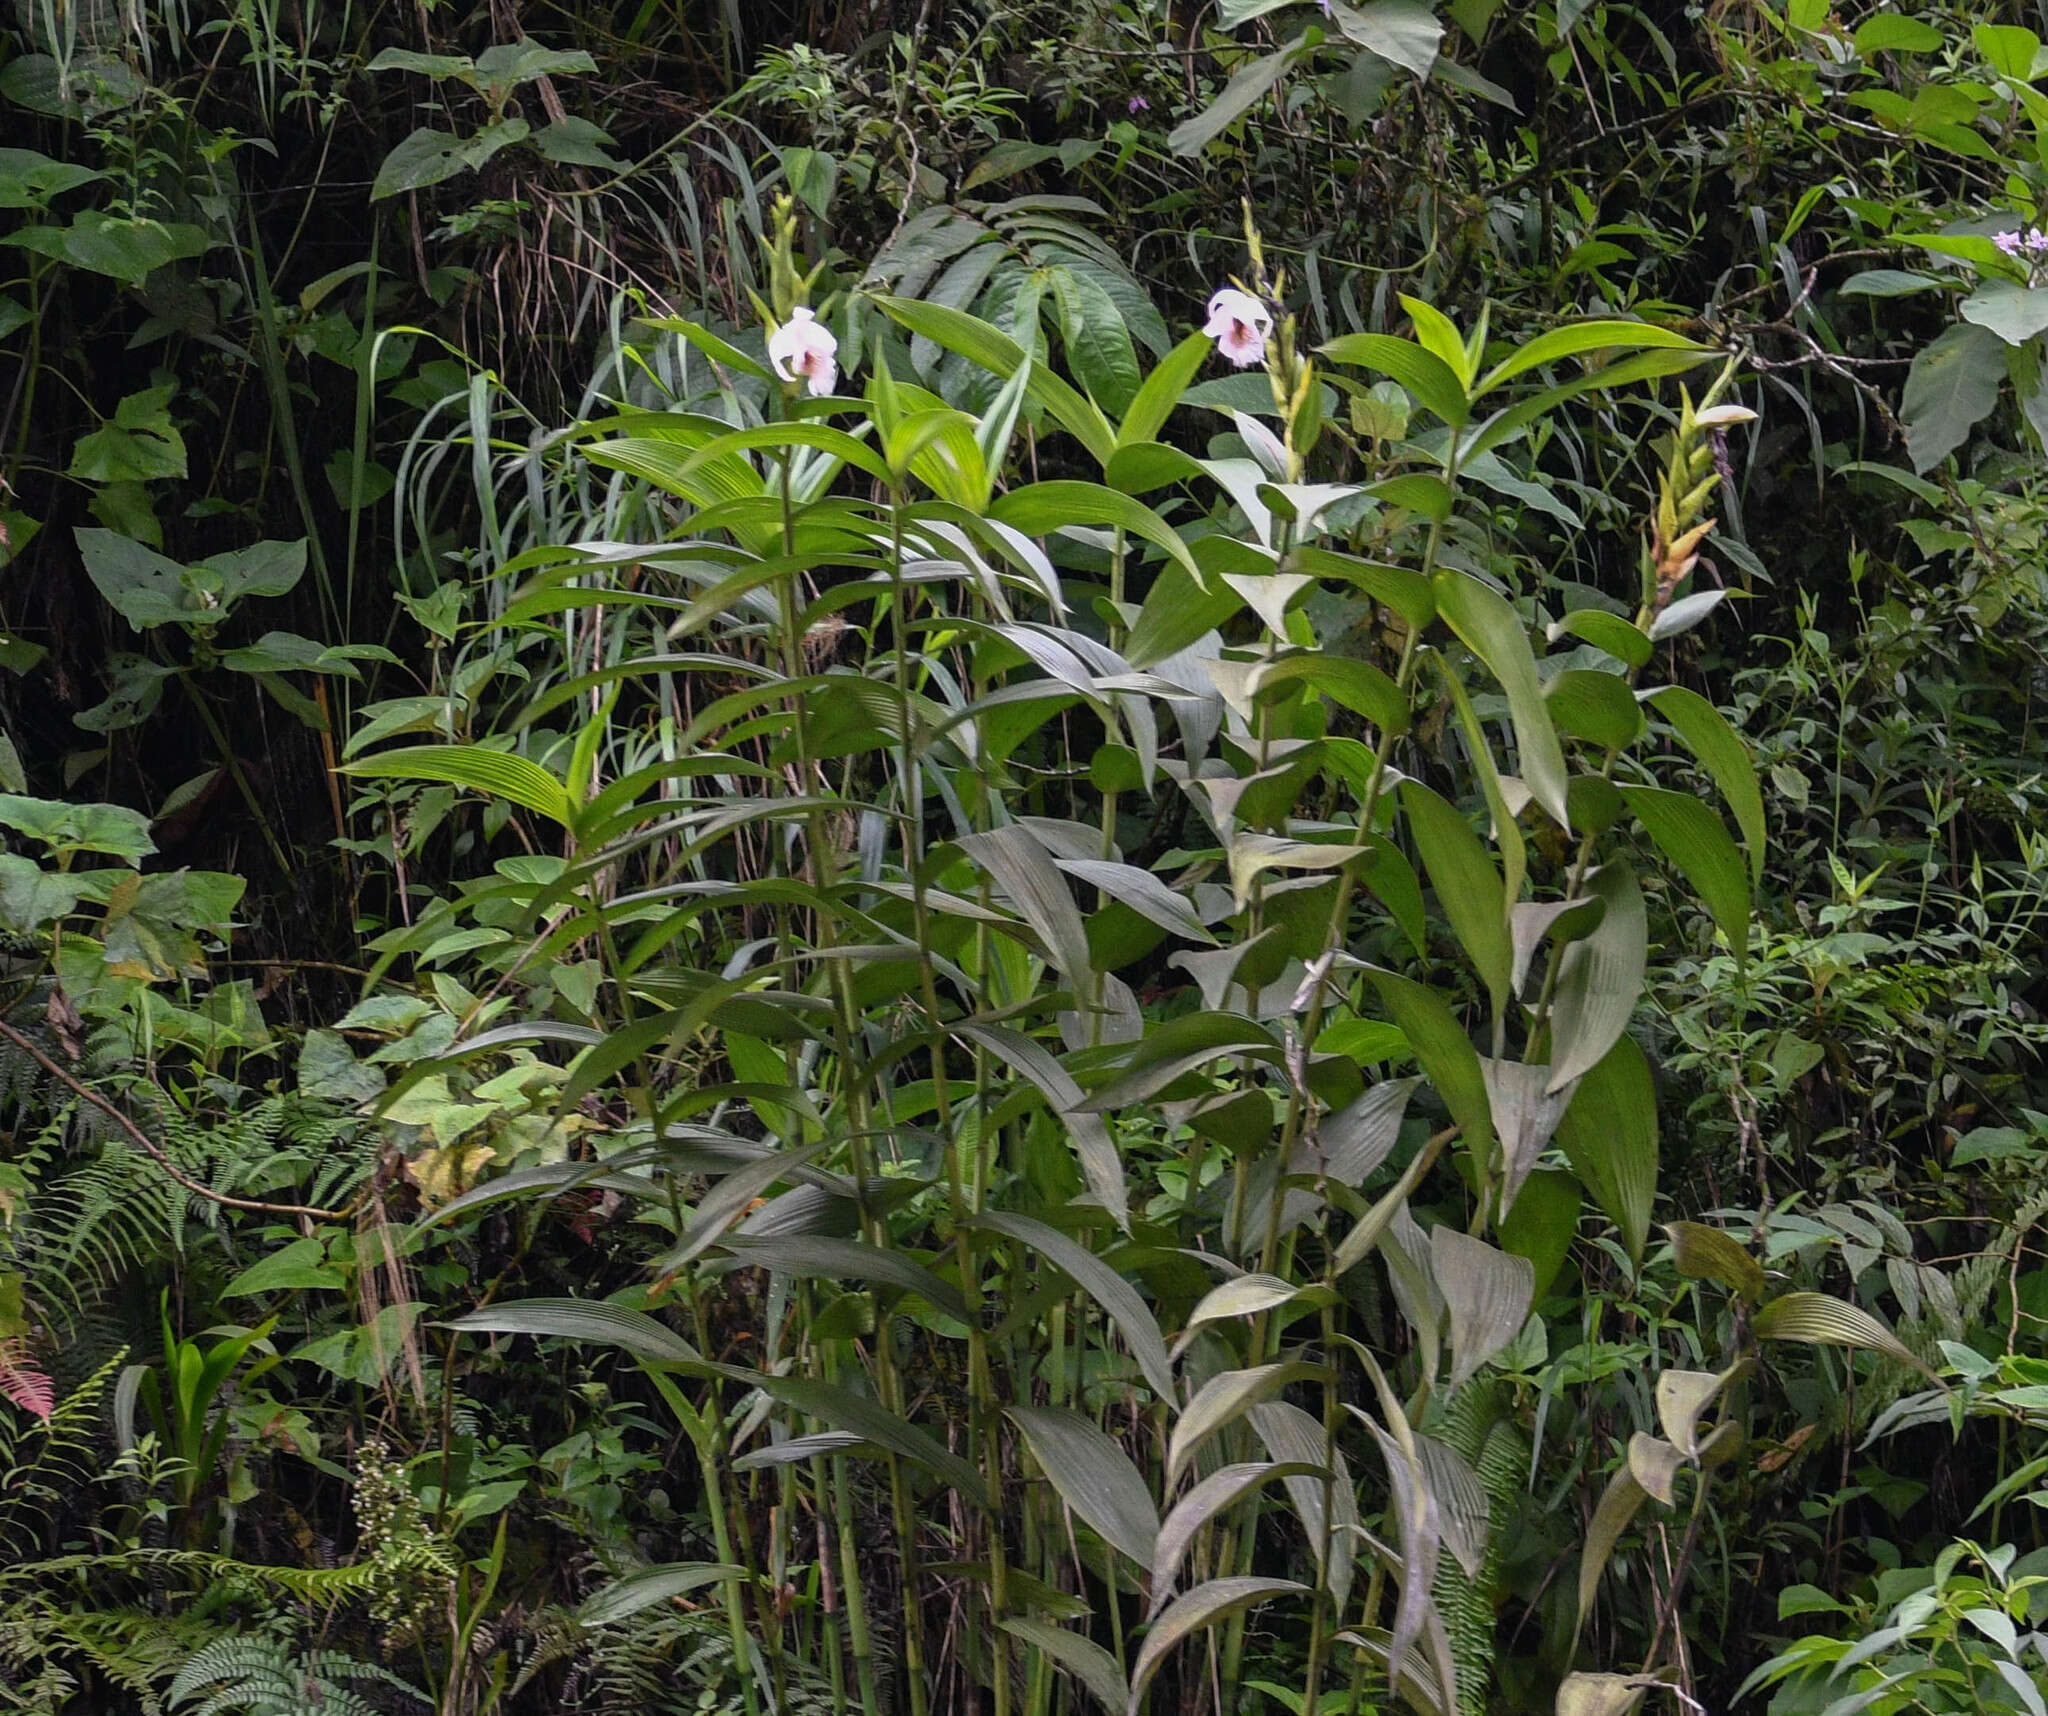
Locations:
{"points": [[1239, 324], [804, 349], [1722, 416]]}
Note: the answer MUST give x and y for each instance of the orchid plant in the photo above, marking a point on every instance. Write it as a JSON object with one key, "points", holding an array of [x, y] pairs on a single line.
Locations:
{"points": [[1067, 1282]]}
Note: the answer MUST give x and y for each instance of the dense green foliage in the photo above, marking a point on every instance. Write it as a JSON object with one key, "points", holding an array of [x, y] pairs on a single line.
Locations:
{"points": [[952, 855]]}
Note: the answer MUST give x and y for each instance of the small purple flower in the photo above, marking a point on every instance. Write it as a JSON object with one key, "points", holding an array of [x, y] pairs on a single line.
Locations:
{"points": [[2009, 242], [1140, 105], [2021, 243]]}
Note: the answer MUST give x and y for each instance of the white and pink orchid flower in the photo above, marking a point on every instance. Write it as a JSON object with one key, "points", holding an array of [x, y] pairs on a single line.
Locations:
{"points": [[803, 349], [1239, 324]]}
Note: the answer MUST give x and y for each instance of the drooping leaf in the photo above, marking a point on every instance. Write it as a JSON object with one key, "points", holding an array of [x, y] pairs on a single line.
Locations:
{"points": [[1132, 1316], [1489, 1293], [1240, 1296], [1705, 732], [1692, 836], [1327, 1507], [1219, 1490], [1820, 1320], [1494, 632], [1526, 1112], [1093, 1476], [1100, 1162], [1023, 869], [1204, 1606], [1951, 387], [583, 1320], [498, 773], [1600, 977], [1081, 1657], [814, 1256], [1224, 1399], [626, 1597], [1654, 1463], [1708, 1254], [1245, 90], [1682, 1395], [1468, 887], [1617, 1508], [1445, 1054], [1609, 1135]]}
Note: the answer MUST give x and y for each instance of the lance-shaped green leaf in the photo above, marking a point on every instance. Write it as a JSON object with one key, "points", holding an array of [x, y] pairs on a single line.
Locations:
{"points": [[1296, 1440], [1029, 879], [1160, 391], [1401, 588], [1705, 732], [1093, 1476], [1240, 1296], [1202, 1607], [1251, 854], [1357, 685], [1576, 339], [1444, 1053], [1595, 707], [626, 1597], [1493, 631], [1247, 87], [1618, 1505], [869, 1420], [1708, 1254], [1821, 1321], [730, 1199], [589, 1320], [1143, 892], [821, 1257], [1605, 631], [1424, 374], [1692, 836], [1081, 1657], [1599, 978], [1489, 1293], [994, 351], [1224, 1399], [1038, 509], [498, 773], [1092, 1144], [1468, 887], [1218, 1491], [1609, 1135], [1132, 1316]]}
